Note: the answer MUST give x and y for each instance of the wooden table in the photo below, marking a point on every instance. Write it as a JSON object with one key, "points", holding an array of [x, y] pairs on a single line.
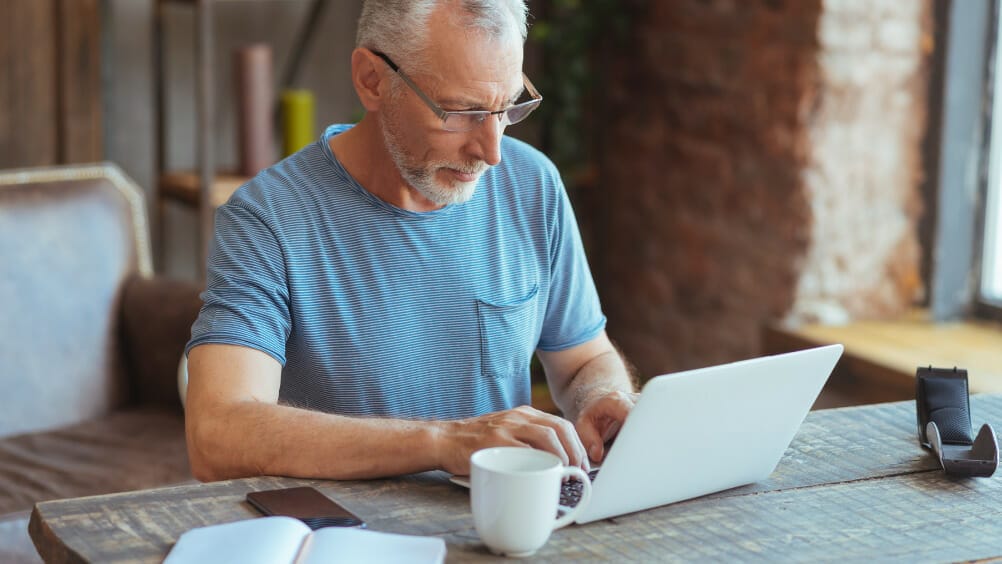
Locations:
{"points": [[854, 485]]}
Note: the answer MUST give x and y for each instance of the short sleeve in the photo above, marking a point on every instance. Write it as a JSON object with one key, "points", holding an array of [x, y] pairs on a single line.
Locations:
{"points": [[573, 312], [246, 301]]}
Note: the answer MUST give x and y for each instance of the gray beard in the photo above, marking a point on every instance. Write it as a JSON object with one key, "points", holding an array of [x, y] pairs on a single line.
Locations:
{"points": [[421, 176]]}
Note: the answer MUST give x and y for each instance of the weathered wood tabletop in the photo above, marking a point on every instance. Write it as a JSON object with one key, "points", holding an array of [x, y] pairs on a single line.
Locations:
{"points": [[854, 485]]}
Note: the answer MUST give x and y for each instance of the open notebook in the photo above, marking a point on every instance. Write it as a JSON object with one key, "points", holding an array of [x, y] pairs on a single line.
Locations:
{"points": [[281, 540]]}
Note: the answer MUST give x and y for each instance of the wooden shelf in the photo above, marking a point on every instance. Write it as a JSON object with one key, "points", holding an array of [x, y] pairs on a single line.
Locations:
{"points": [[183, 187], [881, 356]]}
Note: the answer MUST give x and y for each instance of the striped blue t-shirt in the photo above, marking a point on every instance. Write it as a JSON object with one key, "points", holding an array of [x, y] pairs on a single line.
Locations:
{"points": [[374, 310]]}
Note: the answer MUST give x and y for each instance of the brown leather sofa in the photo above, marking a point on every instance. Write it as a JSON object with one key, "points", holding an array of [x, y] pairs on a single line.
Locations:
{"points": [[89, 345]]}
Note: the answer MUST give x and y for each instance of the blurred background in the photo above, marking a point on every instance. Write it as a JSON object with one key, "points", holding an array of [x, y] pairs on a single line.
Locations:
{"points": [[747, 174]]}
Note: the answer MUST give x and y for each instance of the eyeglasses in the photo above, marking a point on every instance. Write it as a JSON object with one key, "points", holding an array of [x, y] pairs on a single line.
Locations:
{"points": [[470, 119]]}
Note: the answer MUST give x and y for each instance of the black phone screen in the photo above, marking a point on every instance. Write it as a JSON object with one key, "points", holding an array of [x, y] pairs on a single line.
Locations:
{"points": [[306, 504]]}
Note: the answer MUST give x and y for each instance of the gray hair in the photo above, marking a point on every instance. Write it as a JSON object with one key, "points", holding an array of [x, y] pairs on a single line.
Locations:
{"points": [[399, 28]]}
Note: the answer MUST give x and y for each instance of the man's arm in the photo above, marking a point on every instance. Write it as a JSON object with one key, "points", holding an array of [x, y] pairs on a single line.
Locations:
{"points": [[593, 387], [235, 428]]}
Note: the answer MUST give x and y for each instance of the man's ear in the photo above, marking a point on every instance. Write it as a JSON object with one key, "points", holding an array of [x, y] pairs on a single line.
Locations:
{"points": [[367, 78]]}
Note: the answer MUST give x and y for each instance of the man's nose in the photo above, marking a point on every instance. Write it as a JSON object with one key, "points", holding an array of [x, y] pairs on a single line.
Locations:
{"points": [[488, 139]]}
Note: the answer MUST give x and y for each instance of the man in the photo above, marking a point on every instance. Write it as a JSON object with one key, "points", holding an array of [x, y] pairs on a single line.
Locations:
{"points": [[374, 300]]}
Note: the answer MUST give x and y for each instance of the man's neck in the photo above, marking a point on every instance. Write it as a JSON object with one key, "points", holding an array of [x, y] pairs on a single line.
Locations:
{"points": [[363, 154]]}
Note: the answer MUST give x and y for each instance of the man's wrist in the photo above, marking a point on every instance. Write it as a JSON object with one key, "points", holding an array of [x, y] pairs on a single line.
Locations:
{"points": [[603, 375], [438, 435], [588, 394]]}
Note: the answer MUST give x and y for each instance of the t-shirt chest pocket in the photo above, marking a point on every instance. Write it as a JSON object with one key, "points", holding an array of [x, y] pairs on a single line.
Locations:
{"points": [[507, 335]]}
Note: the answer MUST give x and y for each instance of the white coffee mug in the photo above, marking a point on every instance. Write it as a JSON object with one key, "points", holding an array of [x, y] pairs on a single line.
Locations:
{"points": [[514, 492]]}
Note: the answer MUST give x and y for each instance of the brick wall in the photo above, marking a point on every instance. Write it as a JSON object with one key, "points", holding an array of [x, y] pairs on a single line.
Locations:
{"points": [[863, 173], [763, 164]]}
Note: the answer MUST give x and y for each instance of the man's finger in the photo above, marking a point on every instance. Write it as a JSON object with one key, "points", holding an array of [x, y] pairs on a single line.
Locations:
{"points": [[545, 438], [572, 445], [601, 420], [590, 439]]}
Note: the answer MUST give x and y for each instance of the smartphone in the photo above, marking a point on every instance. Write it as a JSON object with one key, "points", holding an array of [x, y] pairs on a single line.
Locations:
{"points": [[306, 504]]}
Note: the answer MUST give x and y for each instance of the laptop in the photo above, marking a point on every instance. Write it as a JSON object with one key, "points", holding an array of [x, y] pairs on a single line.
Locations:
{"points": [[701, 431]]}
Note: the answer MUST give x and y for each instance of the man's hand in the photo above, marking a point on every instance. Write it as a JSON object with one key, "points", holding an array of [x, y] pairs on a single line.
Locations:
{"points": [[601, 419], [593, 387], [522, 426]]}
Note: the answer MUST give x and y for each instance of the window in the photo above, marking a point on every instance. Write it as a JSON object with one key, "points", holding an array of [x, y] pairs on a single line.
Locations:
{"points": [[960, 140], [990, 293]]}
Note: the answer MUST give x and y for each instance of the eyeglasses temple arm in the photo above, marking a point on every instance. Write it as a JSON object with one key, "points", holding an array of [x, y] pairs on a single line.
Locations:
{"points": [[531, 87], [428, 101]]}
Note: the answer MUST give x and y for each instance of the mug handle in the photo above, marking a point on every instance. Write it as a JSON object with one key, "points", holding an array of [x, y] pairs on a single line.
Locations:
{"points": [[568, 518]]}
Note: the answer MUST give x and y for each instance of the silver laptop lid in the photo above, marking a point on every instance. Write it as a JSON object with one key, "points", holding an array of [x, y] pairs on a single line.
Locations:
{"points": [[701, 431]]}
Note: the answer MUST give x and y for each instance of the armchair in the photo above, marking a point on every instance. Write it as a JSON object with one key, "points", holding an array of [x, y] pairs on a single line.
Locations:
{"points": [[89, 345]]}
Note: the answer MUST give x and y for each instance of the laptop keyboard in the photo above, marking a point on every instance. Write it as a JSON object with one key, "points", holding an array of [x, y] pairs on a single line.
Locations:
{"points": [[570, 491]]}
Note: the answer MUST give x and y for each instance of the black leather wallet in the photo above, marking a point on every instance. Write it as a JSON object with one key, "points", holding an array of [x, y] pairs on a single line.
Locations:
{"points": [[943, 407]]}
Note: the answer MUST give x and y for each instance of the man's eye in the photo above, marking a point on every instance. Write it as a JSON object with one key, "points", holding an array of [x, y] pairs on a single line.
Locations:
{"points": [[472, 117]]}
